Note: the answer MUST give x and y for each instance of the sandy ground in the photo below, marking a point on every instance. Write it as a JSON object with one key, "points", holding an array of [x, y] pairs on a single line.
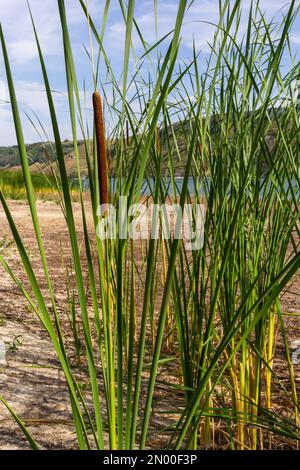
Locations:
{"points": [[31, 380]]}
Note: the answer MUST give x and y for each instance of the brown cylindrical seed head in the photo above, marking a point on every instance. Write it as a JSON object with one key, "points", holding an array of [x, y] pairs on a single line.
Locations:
{"points": [[101, 148], [127, 133], [157, 139]]}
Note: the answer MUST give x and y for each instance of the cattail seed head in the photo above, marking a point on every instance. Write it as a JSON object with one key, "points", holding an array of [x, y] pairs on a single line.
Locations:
{"points": [[127, 133], [157, 135], [101, 148]]}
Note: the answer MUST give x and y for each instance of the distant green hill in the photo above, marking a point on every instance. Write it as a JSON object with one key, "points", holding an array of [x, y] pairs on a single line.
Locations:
{"points": [[37, 153], [40, 154]]}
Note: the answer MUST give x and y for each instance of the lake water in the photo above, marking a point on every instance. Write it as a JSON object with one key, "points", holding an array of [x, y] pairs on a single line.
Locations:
{"points": [[148, 186]]}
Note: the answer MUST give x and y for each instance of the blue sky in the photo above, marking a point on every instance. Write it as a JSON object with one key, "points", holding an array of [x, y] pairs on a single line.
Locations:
{"points": [[23, 54]]}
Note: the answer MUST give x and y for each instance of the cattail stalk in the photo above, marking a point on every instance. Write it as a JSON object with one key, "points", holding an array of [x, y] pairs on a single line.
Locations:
{"points": [[101, 148], [127, 133], [157, 135]]}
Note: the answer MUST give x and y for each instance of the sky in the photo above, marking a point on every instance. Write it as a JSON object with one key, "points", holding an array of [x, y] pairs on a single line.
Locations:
{"points": [[17, 28]]}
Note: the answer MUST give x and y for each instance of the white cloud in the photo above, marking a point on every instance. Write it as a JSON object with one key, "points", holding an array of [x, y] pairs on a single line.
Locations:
{"points": [[196, 27], [295, 38], [22, 52], [31, 97], [32, 100], [18, 29]]}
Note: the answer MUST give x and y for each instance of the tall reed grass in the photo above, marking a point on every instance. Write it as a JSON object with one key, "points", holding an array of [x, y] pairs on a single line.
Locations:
{"points": [[200, 327]]}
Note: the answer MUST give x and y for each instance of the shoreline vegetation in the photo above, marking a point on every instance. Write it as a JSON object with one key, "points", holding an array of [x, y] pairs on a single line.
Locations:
{"points": [[160, 346]]}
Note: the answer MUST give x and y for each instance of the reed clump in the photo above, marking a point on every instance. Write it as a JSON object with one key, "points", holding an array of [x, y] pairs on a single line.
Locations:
{"points": [[179, 345]]}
